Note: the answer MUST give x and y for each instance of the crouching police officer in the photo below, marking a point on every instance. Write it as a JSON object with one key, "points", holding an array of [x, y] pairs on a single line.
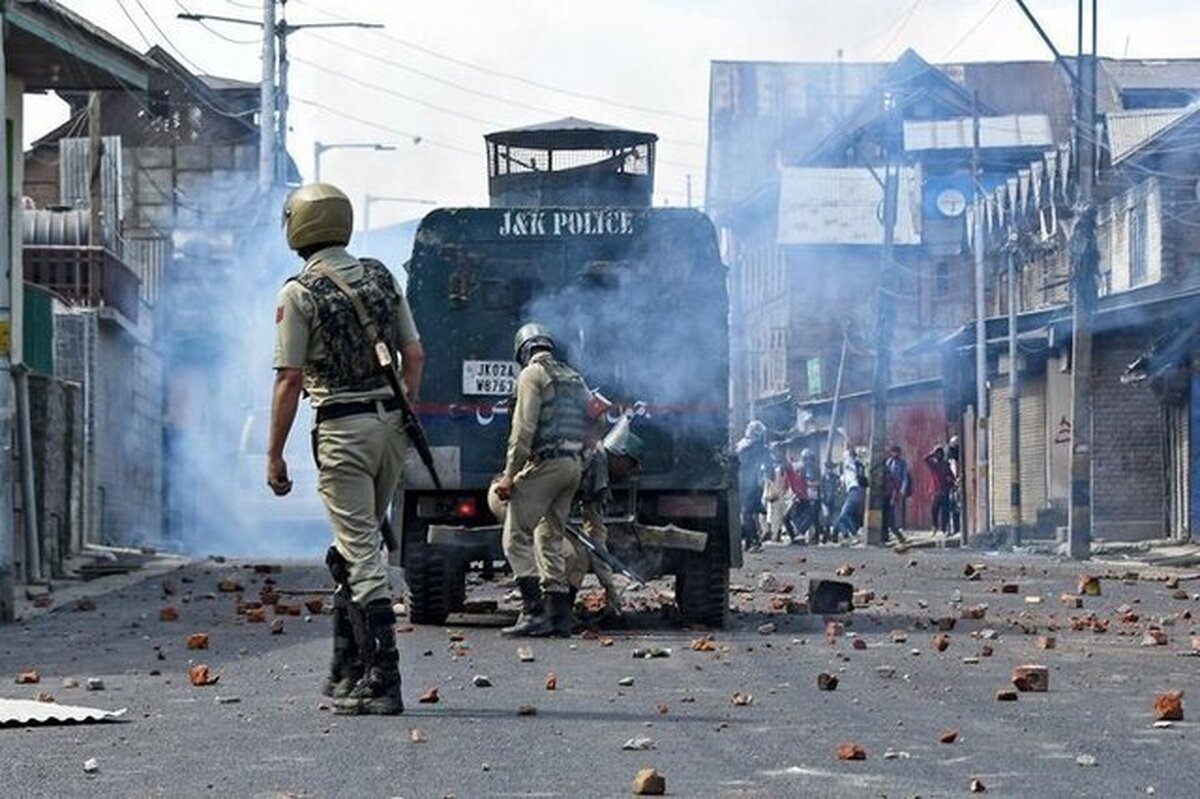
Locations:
{"points": [[541, 473], [322, 349]]}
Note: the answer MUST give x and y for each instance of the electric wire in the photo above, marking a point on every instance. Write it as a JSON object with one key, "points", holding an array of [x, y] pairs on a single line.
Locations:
{"points": [[971, 31], [204, 24], [908, 15]]}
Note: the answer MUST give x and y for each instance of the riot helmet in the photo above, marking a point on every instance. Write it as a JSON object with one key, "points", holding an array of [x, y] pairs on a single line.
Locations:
{"points": [[317, 213], [620, 440], [529, 336]]}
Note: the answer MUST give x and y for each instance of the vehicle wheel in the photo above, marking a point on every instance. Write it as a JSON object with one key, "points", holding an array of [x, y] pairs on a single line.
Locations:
{"points": [[456, 587], [702, 585], [425, 577]]}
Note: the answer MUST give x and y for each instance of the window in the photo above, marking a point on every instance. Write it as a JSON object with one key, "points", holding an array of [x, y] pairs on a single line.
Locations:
{"points": [[1136, 220]]}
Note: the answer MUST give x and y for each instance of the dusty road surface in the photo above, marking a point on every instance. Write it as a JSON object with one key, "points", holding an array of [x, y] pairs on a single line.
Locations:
{"points": [[263, 730]]}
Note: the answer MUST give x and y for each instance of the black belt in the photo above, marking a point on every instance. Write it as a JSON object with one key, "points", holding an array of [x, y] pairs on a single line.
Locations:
{"points": [[551, 454], [340, 410]]}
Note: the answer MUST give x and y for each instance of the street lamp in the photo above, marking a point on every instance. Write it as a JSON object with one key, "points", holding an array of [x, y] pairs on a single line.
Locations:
{"points": [[375, 198], [321, 147]]}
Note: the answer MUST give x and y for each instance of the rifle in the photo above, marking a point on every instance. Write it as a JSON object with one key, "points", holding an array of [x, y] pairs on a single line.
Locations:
{"points": [[603, 554], [381, 355]]}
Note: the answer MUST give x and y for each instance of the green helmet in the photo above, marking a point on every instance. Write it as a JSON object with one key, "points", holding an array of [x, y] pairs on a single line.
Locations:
{"points": [[317, 213], [529, 334], [621, 441]]}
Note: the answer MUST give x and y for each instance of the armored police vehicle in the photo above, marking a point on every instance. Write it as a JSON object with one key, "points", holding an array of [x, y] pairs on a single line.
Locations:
{"points": [[636, 299]]}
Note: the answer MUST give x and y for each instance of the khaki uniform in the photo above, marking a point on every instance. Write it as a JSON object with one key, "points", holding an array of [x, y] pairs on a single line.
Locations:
{"points": [[359, 457], [593, 509], [543, 481]]}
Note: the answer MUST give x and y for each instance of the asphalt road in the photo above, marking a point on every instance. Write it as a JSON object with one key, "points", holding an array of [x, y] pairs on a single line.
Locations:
{"points": [[178, 740]]}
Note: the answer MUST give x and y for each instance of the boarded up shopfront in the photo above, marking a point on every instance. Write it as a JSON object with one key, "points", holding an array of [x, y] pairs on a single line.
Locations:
{"points": [[1033, 450]]}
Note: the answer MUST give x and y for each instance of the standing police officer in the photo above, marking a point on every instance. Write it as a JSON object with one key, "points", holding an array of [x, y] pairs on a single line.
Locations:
{"points": [[322, 349], [541, 473]]}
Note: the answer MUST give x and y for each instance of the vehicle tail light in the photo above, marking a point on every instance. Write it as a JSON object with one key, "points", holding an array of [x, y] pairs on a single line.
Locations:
{"points": [[688, 506], [465, 508]]}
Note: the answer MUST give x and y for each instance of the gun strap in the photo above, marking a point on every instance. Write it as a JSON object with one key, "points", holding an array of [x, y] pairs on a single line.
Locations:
{"points": [[360, 310]]}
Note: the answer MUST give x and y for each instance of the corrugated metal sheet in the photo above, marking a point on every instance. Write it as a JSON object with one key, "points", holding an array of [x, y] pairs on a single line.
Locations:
{"points": [[1014, 130], [1177, 444], [147, 257], [74, 177], [844, 206], [21, 712], [1129, 130], [1033, 450]]}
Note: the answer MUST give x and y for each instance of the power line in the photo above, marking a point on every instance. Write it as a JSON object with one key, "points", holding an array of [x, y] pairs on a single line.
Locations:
{"points": [[518, 78], [972, 30], [167, 40], [900, 29], [213, 30], [136, 27], [416, 137]]}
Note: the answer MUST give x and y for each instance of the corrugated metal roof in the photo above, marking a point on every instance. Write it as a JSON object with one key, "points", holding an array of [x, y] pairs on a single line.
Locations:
{"points": [[1129, 130], [1174, 73], [21, 712], [844, 206], [1014, 130]]}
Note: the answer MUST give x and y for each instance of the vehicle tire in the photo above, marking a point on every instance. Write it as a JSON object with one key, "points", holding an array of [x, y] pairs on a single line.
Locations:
{"points": [[456, 586], [702, 584], [427, 586]]}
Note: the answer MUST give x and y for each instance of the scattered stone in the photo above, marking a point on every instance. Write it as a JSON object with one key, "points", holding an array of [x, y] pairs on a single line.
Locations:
{"points": [[845, 570], [70, 682], [1169, 706], [256, 615], [90, 766], [199, 676], [1087, 760], [85, 603], [46, 697], [95, 684], [639, 743], [886, 672], [1071, 601], [43, 600], [625, 682], [1006, 695], [229, 700], [970, 660], [829, 597], [526, 710], [948, 736], [899, 636], [1033, 600], [851, 751], [649, 782], [740, 699], [895, 754], [417, 735], [859, 643], [662, 708], [197, 641], [863, 597], [1088, 585], [481, 681], [30, 677], [1031, 678], [1163, 725], [974, 612], [315, 605], [1046, 642], [769, 583], [946, 623], [276, 626], [229, 586], [605, 641], [834, 630], [989, 634], [1010, 588], [551, 681], [169, 613], [941, 642], [525, 654], [827, 682], [704, 644], [1154, 637], [430, 697], [766, 629], [977, 786]]}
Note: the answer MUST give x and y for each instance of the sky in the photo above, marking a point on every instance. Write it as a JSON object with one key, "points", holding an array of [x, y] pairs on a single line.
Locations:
{"points": [[442, 73]]}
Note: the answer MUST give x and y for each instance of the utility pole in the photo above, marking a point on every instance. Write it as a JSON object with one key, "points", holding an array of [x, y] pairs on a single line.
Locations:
{"points": [[885, 319], [837, 396], [273, 109], [983, 517], [1014, 401], [7, 528], [1084, 260], [266, 102], [95, 200]]}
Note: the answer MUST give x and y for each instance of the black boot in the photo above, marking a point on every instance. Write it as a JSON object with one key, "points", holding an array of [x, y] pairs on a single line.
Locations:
{"points": [[555, 620], [531, 607], [346, 668], [378, 692]]}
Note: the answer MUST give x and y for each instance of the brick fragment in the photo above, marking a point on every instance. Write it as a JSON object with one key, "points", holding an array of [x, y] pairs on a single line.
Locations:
{"points": [[1006, 695], [941, 642], [704, 644], [1070, 600], [977, 786], [315, 605], [1169, 706], [859, 643], [975, 612], [1031, 678], [948, 736], [430, 697], [845, 570], [986, 651], [649, 782], [827, 682], [256, 615], [851, 751], [1154, 637], [1088, 585], [834, 630], [199, 675], [551, 681], [229, 586], [1046, 642], [1010, 588], [899, 636], [28, 677], [168, 613], [197, 641], [946, 623]]}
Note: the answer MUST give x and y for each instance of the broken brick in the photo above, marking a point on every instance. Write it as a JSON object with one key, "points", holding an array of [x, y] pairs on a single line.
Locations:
{"points": [[1154, 637], [985, 651], [1046, 642], [845, 570], [551, 681], [30, 677], [741, 699], [277, 626], [859, 643], [169, 613], [899, 636], [851, 751], [948, 736], [229, 586], [946, 623], [417, 735], [315, 605], [1010, 588], [1088, 585], [662, 708], [977, 787], [974, 612], [1071, 601], [1169, 706], [827, 682], [941, 642], [863, 598], [1006, 695], [287, 608], [197, 641], [199, 676], [1031, 678], [649, 782], [526, 710], [430, 697]]}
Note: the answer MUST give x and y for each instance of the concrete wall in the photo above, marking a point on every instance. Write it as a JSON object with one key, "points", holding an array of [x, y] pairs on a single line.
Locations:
{"points": [[57, 466]]}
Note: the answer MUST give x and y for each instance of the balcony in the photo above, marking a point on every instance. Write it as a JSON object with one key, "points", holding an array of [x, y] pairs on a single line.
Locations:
{"points": [[83, 275]]}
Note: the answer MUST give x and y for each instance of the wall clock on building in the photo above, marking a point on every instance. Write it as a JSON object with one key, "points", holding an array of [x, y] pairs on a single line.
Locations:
{"points": [[951, 202]]}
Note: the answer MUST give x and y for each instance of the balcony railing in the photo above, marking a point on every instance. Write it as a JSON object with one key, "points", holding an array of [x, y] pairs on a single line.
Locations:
{"points": [[87, 276]]}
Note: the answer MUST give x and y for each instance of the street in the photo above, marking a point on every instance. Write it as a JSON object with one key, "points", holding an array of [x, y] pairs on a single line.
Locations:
{"points": [[264, 730]]}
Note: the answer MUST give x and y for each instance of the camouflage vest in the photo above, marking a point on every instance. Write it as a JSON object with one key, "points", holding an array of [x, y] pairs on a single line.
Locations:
{"points": [[346, 365], [562, 420]]}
